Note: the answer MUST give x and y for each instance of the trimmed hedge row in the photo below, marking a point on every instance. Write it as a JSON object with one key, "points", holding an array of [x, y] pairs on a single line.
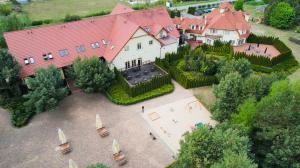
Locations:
{"points": [[143, 87], [118, 95], [48, 21], [223, 49], [181, 76]]}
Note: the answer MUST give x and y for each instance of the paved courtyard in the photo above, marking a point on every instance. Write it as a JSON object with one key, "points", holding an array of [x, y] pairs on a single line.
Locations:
{"points": [[34, 146], [265, 50]]}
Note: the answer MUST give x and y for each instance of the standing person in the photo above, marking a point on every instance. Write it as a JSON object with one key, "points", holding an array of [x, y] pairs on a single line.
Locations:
{"points": [[143, 109]]}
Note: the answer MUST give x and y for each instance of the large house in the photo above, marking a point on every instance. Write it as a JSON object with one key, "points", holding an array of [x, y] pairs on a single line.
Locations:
{"points": [[222, 24], [124, 39]]}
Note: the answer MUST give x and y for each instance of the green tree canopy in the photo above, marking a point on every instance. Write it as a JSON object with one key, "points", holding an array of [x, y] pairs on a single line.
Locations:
{"points": [[234, 160], [204, 147], [46, 89], [98, 165], [239, 5], [242, 66], [92, 75], [12, 22], [276, 130], [282, 16], [230, 94], [5, 9], [9, 75]]}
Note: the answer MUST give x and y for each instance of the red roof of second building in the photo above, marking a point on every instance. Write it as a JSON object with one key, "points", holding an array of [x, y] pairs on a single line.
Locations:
{"points": [[114, 30]]}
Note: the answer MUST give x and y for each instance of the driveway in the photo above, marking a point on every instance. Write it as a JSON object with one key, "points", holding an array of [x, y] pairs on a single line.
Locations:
{"points": [[34, 146]]}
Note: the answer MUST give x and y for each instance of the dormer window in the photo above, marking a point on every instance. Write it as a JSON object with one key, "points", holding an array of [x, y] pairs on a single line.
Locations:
{"points": [[80, 49], [105, 42], [147, 29], [63, 52], [169, 28], [26, 61]]}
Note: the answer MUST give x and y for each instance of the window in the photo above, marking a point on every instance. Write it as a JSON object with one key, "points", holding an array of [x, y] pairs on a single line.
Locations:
{"points": [[139, 46], [127, 64], [80, 49], [126, 48], [31, 60], [26, 61], [48, 56], [133, 63], [95, 45], [213, 30], [226, 32], [63, 52], [150, 42]]}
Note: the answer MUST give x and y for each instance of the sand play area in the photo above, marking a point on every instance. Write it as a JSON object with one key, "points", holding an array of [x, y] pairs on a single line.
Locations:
{"points": [[171, 121]]}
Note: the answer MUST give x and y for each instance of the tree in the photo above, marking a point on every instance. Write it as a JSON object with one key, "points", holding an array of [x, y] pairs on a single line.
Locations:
{"points": [[282, 16], [5, 9], [12, 22], [230, 94], [46, 89], [92, 75], [234, 160], [239, 5], [98, 165], [246, 115], [242, 66], [10, 80], [276, 130], [204, 147]]}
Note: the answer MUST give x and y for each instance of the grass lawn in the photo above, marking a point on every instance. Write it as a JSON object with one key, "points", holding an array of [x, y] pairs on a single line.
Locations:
{"points": [[118, 95], [57, 9], [191, 3], [205, 95]]}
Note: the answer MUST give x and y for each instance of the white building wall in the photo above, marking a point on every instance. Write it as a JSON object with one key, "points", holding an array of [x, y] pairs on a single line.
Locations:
{"points": [[226, 35], [147, 53], [171, 48]]}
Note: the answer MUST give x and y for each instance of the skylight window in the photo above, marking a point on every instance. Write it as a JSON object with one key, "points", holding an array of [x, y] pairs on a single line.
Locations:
{"points": [[26, 61], [48, 56], [63, 52], [80, 49], [95, 45], [31, 60]]}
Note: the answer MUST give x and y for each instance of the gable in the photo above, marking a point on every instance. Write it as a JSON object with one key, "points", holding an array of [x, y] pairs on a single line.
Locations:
{"points": [[139, 33]]}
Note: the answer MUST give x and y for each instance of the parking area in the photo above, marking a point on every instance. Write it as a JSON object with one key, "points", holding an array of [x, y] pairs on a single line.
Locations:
{"points": [[34, 146], [171, 121]]}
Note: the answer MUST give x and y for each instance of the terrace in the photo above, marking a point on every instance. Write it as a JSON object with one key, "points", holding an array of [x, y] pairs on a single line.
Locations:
{"points": [[264, 50], [142, 73]]}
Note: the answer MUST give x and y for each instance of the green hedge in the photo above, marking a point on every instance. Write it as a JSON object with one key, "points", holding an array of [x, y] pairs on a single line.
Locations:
{"points": [[285, 52], [143, 87], [117, 94], [186, 79]]}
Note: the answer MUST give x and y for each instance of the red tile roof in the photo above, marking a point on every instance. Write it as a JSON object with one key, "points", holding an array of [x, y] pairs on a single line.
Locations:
{"points": [[226, 20], [115, 29], [120, 8]]}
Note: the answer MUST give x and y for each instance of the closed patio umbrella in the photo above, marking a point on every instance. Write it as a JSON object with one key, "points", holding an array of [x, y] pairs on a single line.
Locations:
{"points": [[98, 122], [72, 164], [115, 147], [61, 136]]}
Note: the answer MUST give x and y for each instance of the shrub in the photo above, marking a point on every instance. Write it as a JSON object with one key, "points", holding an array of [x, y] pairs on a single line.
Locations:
{"points": [[92, 74], [117, 94], [20, 117], [282, 16], [101, 13], [98, 165], [239, 5], [70, 18], [298, 29]]}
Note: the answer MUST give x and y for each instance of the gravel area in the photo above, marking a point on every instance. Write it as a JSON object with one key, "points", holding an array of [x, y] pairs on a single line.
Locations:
{"points": [[34, 146]]}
